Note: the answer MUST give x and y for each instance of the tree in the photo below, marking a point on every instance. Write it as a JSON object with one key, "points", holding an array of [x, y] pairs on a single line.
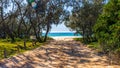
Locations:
{"points": [[22, 20], [84, 16], [54, 12], [107, 28], [50, 14], [4, 20]]}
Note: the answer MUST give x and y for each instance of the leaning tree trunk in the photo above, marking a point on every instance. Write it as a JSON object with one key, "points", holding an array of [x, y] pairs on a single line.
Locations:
{"points": [[48, 28]]}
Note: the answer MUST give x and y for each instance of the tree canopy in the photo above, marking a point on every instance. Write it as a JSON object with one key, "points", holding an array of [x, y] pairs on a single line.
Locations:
{"points": [[84, 16], [23, 20], [19, 19]]}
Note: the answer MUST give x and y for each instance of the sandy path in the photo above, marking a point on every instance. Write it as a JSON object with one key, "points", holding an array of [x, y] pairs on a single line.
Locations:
{"points": [[58, 54]]}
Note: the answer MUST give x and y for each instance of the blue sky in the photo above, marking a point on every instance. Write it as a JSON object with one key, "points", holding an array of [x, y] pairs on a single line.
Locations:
{"points": [[60, 28]]}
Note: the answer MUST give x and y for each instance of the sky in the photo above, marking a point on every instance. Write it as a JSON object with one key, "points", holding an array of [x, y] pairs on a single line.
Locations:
{"points": [[60, 28]]}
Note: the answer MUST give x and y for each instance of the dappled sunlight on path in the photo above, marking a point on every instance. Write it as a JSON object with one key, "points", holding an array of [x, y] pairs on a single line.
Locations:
{"points": [[58, 54]]}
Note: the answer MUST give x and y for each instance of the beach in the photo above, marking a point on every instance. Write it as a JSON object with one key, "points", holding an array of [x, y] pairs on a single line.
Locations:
{"points": [[63, 52], [65, 38]]}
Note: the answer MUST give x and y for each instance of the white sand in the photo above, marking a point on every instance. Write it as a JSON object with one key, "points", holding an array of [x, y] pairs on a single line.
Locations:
{"points": [[65, 38]]}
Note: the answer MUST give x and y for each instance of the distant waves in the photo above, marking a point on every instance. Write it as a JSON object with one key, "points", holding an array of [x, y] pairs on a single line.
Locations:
{"points": [[62, 34]]}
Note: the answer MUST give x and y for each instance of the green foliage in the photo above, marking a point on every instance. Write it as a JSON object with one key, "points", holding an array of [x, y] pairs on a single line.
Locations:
{"points": [[81, 40], [84, 17], [78, 39], [12, 48], [49, 38], [107, 28], [18, 39], [94, 45]]}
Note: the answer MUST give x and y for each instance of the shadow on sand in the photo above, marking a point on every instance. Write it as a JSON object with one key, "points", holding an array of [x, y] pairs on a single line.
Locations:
{"points": [[54, 55]]}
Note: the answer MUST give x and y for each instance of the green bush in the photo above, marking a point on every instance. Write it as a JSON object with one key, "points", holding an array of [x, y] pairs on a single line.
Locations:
{"points": [[94, 45], [85, 42], [78, 39], [107, 28], [18, 39], [12, 48]]}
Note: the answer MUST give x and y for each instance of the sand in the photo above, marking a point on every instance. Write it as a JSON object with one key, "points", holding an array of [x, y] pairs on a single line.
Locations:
{"points": [[65, 38], [61, 53]]}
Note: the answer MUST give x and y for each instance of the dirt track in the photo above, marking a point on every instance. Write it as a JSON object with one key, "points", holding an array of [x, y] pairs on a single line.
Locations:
{"points": [[58, 54]]}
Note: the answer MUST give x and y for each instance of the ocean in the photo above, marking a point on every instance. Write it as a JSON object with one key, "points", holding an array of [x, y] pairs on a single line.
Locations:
{"points": [[61, 34]]}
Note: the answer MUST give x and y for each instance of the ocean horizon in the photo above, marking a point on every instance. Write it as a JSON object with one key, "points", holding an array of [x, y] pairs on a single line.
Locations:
{"points": [[62, 34]]}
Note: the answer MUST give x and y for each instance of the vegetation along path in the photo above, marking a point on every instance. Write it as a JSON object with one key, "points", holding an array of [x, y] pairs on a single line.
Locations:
{"points": [[58, 54]]}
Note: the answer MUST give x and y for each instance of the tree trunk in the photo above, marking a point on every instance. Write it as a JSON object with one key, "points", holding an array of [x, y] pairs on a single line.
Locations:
{"points": [[5, 53], [25, 44], [36, 34], [48, 28], [83, 34], [8, 32]]}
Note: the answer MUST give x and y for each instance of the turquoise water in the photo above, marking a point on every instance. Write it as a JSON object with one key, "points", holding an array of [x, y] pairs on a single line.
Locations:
{"points": [[61, 34]]}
